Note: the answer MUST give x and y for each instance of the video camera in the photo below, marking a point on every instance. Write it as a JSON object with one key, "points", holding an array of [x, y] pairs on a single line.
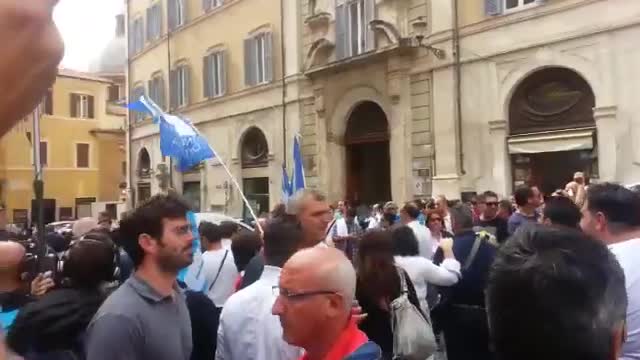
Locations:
{"points": [[32, 264]]}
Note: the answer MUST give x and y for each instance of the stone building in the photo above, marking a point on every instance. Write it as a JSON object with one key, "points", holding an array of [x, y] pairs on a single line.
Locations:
{"points": [[413, 98], [221, 64]]}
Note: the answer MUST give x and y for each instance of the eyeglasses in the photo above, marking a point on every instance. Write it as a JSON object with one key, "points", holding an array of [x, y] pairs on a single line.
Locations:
{"points": [[300, 296], [491, 203]]}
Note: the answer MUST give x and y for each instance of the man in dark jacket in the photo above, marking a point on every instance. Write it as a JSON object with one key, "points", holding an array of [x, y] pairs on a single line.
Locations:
{"points": [[56, 322], [461, 313]]}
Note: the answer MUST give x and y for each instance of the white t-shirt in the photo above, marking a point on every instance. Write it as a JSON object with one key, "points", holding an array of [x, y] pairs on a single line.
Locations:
{"points": [[223, 287], [423, 235], [628, 255], [423, 271], [226, 244]]}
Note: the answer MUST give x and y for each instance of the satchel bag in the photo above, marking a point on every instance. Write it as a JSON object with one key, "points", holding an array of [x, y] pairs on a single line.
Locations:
{"points": [[413, 337]]}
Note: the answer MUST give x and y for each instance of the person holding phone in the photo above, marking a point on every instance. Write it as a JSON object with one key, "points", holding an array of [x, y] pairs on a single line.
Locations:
{"points": [[86, 267]]}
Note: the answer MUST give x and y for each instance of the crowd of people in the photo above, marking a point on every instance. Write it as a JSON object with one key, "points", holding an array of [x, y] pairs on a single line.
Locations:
{"points": [[550, 281]]}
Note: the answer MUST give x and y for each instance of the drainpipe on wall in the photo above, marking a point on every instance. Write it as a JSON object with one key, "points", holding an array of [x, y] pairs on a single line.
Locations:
{"points": [[171, 185], [284, 86], [131, 193], [457, 70]]}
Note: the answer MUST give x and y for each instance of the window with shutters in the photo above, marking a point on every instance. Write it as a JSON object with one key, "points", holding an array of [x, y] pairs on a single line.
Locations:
{"points": [[498, 7], [177, 14], [511, 5], [113, 93], [259, 59], [180, 86], [211, 4], [82, 106], [156, 90], [44, 151], [136, 36], [353, 34], [65, 213], [214, 74], [154, 22], [136, 93], [82, 155], [48, 102]]}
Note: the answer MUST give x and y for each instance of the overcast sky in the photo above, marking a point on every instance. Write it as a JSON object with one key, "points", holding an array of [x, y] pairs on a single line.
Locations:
{"points": [[86, 26]]}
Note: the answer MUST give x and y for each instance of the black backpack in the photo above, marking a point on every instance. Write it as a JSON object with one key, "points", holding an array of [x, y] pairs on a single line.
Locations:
{"points": [[77, 352]]}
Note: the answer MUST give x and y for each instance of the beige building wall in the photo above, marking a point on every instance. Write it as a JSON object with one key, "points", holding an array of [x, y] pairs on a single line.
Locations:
{"points": [[224, 120], [417, 90], [498, 52]]}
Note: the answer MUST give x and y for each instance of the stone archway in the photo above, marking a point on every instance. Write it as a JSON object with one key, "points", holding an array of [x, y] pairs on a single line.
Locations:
{"points": [[254, 160], [143, 171], [368, 174], [143, 168], [551, 132]]}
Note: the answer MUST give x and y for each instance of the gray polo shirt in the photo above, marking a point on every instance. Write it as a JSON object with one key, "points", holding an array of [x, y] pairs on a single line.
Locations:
{"points": [[136, 322]]}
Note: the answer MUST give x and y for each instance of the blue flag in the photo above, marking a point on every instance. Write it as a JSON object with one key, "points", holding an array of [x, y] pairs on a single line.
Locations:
{"points": [[286, 185], [178, 137], [298, 181]]}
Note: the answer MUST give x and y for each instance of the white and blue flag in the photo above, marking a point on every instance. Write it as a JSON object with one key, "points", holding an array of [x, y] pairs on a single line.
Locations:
{"points": [[178, 137], [286, 185], [298, 181]]}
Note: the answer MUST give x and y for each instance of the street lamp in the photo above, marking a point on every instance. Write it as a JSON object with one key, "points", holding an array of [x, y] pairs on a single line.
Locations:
{"points": [[420, 28]]}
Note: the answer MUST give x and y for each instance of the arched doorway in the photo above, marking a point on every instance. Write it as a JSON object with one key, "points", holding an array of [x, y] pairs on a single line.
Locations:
{"points": [[368, 163], [552, 129], [254, 157], [143, 170]]}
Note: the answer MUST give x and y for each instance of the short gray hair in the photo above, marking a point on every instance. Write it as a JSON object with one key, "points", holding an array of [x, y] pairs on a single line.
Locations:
{"points": [[343, 280], [461, 217], [295, 203]]}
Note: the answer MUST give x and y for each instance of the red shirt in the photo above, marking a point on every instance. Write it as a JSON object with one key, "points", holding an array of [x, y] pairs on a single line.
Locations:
{"points": [[348, 342]]}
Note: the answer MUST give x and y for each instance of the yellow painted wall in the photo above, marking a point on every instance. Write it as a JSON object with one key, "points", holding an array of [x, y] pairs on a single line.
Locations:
{"points": [[63, 181], [227, 26]]}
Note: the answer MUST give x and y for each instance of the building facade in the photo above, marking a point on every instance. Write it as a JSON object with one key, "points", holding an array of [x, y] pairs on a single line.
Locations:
{"points": [[408, 99], [546, 89], [82, 149], [222, 65]]}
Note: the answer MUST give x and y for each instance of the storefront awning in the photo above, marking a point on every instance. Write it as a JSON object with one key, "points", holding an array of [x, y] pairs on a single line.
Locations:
{"points": [[565, 140]]}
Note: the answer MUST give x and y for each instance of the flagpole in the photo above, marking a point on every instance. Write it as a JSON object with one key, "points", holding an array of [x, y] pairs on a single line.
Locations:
{"points": [[38, 183], [235, 183]]}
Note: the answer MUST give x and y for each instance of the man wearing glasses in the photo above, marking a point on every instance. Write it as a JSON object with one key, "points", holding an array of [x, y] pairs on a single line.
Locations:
{"points": [[489, 220], [316, 291]]}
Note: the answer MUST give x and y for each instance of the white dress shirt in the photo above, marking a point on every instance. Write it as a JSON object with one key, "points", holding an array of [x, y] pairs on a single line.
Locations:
{"points": [[628, 255], [224, 285], [423, 272], [247, 328], [425, 242], [447, 223]]}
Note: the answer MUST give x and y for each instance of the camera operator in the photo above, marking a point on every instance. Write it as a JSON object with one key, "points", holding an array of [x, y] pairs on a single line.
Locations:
{"points": [[56, 322], [17, 266]]}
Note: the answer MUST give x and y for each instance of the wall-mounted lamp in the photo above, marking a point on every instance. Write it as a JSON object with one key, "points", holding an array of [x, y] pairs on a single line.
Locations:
{"points": [[420, 28]]}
